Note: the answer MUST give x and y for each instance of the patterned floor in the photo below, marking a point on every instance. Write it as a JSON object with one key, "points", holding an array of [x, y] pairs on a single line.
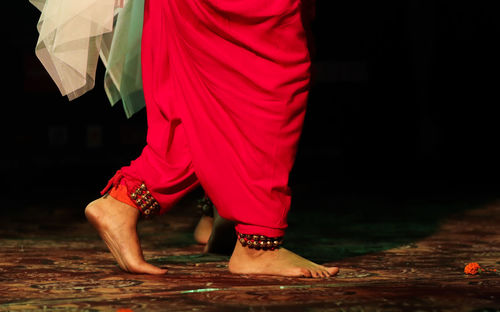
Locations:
{"points": [[407, 259]]}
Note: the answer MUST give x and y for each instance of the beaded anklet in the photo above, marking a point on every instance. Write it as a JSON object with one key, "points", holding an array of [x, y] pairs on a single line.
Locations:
{"points": [[206, 206], [260, 241], [141, 198], [145, 201]]}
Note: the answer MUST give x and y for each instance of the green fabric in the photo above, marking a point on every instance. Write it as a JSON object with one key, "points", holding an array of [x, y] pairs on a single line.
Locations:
{"points": [[123, 79]]}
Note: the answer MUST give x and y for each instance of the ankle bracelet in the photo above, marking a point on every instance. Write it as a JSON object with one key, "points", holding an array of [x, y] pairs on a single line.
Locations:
{"points": [[138, 194], [260, 241], [146, 203], [206, 206]]}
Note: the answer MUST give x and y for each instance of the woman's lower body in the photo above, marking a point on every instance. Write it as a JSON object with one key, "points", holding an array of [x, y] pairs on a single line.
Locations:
{"points": [[226, 85]]}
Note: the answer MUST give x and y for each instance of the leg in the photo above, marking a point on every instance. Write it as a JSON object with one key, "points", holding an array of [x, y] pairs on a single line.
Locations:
{"points": [[222, 236], [213, 231], [164, 166], [203, 230], [116, 224], [244, 87], [115, 217]]}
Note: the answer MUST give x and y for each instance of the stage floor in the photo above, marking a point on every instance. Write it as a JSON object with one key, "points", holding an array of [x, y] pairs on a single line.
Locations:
{"points": [[394, 255]]}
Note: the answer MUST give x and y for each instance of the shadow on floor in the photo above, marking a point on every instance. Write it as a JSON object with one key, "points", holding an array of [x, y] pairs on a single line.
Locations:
{"points": [[352, 223]]}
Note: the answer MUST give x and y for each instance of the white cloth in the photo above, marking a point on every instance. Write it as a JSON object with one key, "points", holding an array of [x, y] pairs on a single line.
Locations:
{"points": [[71, 39]]}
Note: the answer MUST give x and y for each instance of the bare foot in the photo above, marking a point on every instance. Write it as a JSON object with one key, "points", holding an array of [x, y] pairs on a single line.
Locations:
{"points": [[203, 230], [276, 262], [116, 223], [216, 233]]}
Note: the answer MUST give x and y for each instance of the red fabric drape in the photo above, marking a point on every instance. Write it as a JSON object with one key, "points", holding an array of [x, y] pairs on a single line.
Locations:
{"points": [[226, 85]]}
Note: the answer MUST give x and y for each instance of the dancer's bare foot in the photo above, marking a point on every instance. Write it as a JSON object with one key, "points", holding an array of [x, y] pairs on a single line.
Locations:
{"points": [[203, 230], [116, 223], [277, 262], [222, 236], [216, 233]]}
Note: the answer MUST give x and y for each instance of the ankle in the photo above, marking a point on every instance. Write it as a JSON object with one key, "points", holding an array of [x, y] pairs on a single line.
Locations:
{"points": [[251, 253], [107, 208]]}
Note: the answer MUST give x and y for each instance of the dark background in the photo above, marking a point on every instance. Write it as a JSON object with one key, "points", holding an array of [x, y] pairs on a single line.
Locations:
{"points": [[404, 102]]}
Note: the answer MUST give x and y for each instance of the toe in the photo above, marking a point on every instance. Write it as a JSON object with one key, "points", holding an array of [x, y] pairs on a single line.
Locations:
{"points": [[145, 268], [333, 271], [324, 273], [304, 272], [156, 271], [316, 273], [327, 271], [151, 269]]}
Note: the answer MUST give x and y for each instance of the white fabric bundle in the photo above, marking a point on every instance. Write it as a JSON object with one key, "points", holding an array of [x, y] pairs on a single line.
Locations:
{"points": [[71, 39]]}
